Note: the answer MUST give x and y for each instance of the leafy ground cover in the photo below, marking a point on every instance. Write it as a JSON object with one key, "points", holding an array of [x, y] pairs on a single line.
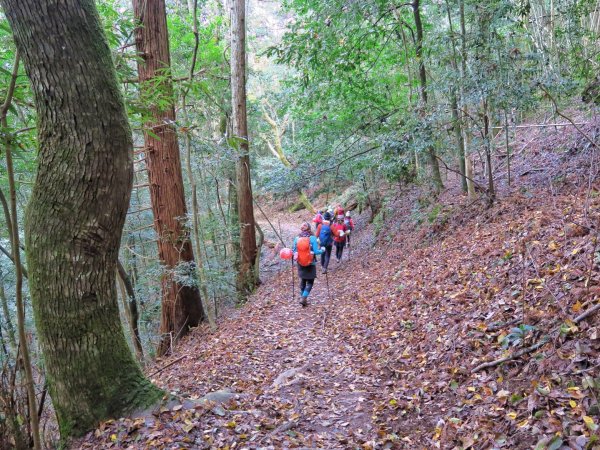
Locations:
{"points": [[387, 353]]}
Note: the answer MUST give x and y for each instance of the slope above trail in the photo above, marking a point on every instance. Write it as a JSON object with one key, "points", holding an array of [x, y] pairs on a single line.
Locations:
{"points": [[384, 360]]}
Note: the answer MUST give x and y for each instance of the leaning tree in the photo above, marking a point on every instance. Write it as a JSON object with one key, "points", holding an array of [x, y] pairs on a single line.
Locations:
{"points": [[77, 210]]}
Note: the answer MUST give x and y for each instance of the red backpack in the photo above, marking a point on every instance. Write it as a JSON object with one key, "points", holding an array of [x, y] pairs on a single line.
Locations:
{"points": [[303, 247]]}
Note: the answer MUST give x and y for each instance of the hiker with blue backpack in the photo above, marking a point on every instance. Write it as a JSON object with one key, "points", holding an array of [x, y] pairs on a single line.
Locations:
{"points": [[306, 249], [324, 234]]}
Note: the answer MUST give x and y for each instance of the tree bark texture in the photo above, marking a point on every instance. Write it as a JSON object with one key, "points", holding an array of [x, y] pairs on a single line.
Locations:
{"points": [[75, 217], [246, 278], [433, 162], [181, 306]]}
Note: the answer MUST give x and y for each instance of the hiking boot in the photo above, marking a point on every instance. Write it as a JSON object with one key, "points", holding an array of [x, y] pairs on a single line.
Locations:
{"points": [[324, 271], [304, 302]]}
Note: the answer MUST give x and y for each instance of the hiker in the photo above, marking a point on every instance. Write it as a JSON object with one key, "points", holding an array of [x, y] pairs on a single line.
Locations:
{"points": [[325, 237], [318, 218], [339, 236], [338, 210], [349, 225], [305, 250]]}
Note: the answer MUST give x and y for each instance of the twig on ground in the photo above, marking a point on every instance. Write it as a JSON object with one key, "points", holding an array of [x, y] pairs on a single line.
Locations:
{"points": [[516, 355], [156, 372], [536, 346], [586, 314]]}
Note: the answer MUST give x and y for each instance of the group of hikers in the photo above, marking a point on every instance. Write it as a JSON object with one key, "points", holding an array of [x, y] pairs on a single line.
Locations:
{"points": [[332, 228]]}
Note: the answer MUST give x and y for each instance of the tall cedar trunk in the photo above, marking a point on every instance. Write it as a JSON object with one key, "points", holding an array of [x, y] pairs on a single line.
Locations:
{"points": [[76, 213], [181, 306], [435, 167], [246, 277]]}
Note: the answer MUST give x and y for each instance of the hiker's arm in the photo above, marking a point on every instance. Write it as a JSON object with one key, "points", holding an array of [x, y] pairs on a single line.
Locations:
{"points": [[315, 247], [294, 248]]}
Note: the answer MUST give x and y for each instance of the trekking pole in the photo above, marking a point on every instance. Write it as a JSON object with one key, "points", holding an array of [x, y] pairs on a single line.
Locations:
{"points": [[327, 283], [293, 283], [329, 303], [349, 250]]}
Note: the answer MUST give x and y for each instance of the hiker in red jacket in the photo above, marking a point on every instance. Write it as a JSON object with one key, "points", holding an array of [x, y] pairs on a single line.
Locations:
{"points": [[339, 231], [338, 210]]}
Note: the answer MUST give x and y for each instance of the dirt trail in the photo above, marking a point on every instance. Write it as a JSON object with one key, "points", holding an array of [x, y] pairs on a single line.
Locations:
{"points": [[295, 382]]}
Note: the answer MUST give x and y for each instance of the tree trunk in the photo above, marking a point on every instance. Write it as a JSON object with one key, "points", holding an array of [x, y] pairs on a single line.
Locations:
{"points": [[465, 133], [488, 152], [131, 310], [181, 306], [246, 277], [6, 313], [76, 213], [431, 154], [454, 96]]}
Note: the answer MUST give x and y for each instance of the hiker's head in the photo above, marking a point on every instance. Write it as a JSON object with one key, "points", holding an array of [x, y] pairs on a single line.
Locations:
{"points": [[327, 216], [340, 218], [305, 226], [348, 214]]}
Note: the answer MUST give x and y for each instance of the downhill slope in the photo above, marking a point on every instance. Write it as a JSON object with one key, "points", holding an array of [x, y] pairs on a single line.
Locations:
{"points": [[384, 358]]}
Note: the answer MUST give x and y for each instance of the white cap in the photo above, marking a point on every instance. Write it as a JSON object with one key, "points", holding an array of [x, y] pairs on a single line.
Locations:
{"points": [[347, 213]]}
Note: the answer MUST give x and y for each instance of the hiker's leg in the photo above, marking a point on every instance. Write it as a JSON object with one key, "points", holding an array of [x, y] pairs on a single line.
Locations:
{"points": [[339, 248], [327, 256], [303, 292], [348, 240], [302, 286], [308, 288]]}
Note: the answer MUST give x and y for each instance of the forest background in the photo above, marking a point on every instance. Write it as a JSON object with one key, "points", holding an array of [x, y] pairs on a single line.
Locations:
{"points": [[347, 102]]}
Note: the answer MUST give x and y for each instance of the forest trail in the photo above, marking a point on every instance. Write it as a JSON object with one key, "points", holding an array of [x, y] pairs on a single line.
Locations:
{"points": [[388, 362], [288, 379]]}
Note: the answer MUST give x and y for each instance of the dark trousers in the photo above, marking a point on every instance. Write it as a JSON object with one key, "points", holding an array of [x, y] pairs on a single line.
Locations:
{"points": [[326, 256], [306, 285], [339, 249]]}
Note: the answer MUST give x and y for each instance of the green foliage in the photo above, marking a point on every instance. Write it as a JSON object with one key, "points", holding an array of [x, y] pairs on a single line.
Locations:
{"points": [[517, 335]]}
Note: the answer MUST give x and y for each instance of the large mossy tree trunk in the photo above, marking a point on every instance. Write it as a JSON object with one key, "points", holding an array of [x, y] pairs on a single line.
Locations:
{"points": [[246, 277], [181, 305], [76, 213]]}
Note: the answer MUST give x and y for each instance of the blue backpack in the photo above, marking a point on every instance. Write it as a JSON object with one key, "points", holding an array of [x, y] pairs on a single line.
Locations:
{"points": [[325, 235]]}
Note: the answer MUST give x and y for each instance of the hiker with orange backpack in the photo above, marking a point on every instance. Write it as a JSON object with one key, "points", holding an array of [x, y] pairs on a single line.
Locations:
{"points": [[325, 237], [305, 250], [339, 236]]}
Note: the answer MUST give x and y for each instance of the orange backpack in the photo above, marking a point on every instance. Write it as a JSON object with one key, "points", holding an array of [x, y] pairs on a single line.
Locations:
{"points": [[303, 248]]}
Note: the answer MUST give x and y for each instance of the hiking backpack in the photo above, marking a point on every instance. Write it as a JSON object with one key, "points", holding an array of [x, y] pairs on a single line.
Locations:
{"points": [[325, 235], [303, 248]]}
